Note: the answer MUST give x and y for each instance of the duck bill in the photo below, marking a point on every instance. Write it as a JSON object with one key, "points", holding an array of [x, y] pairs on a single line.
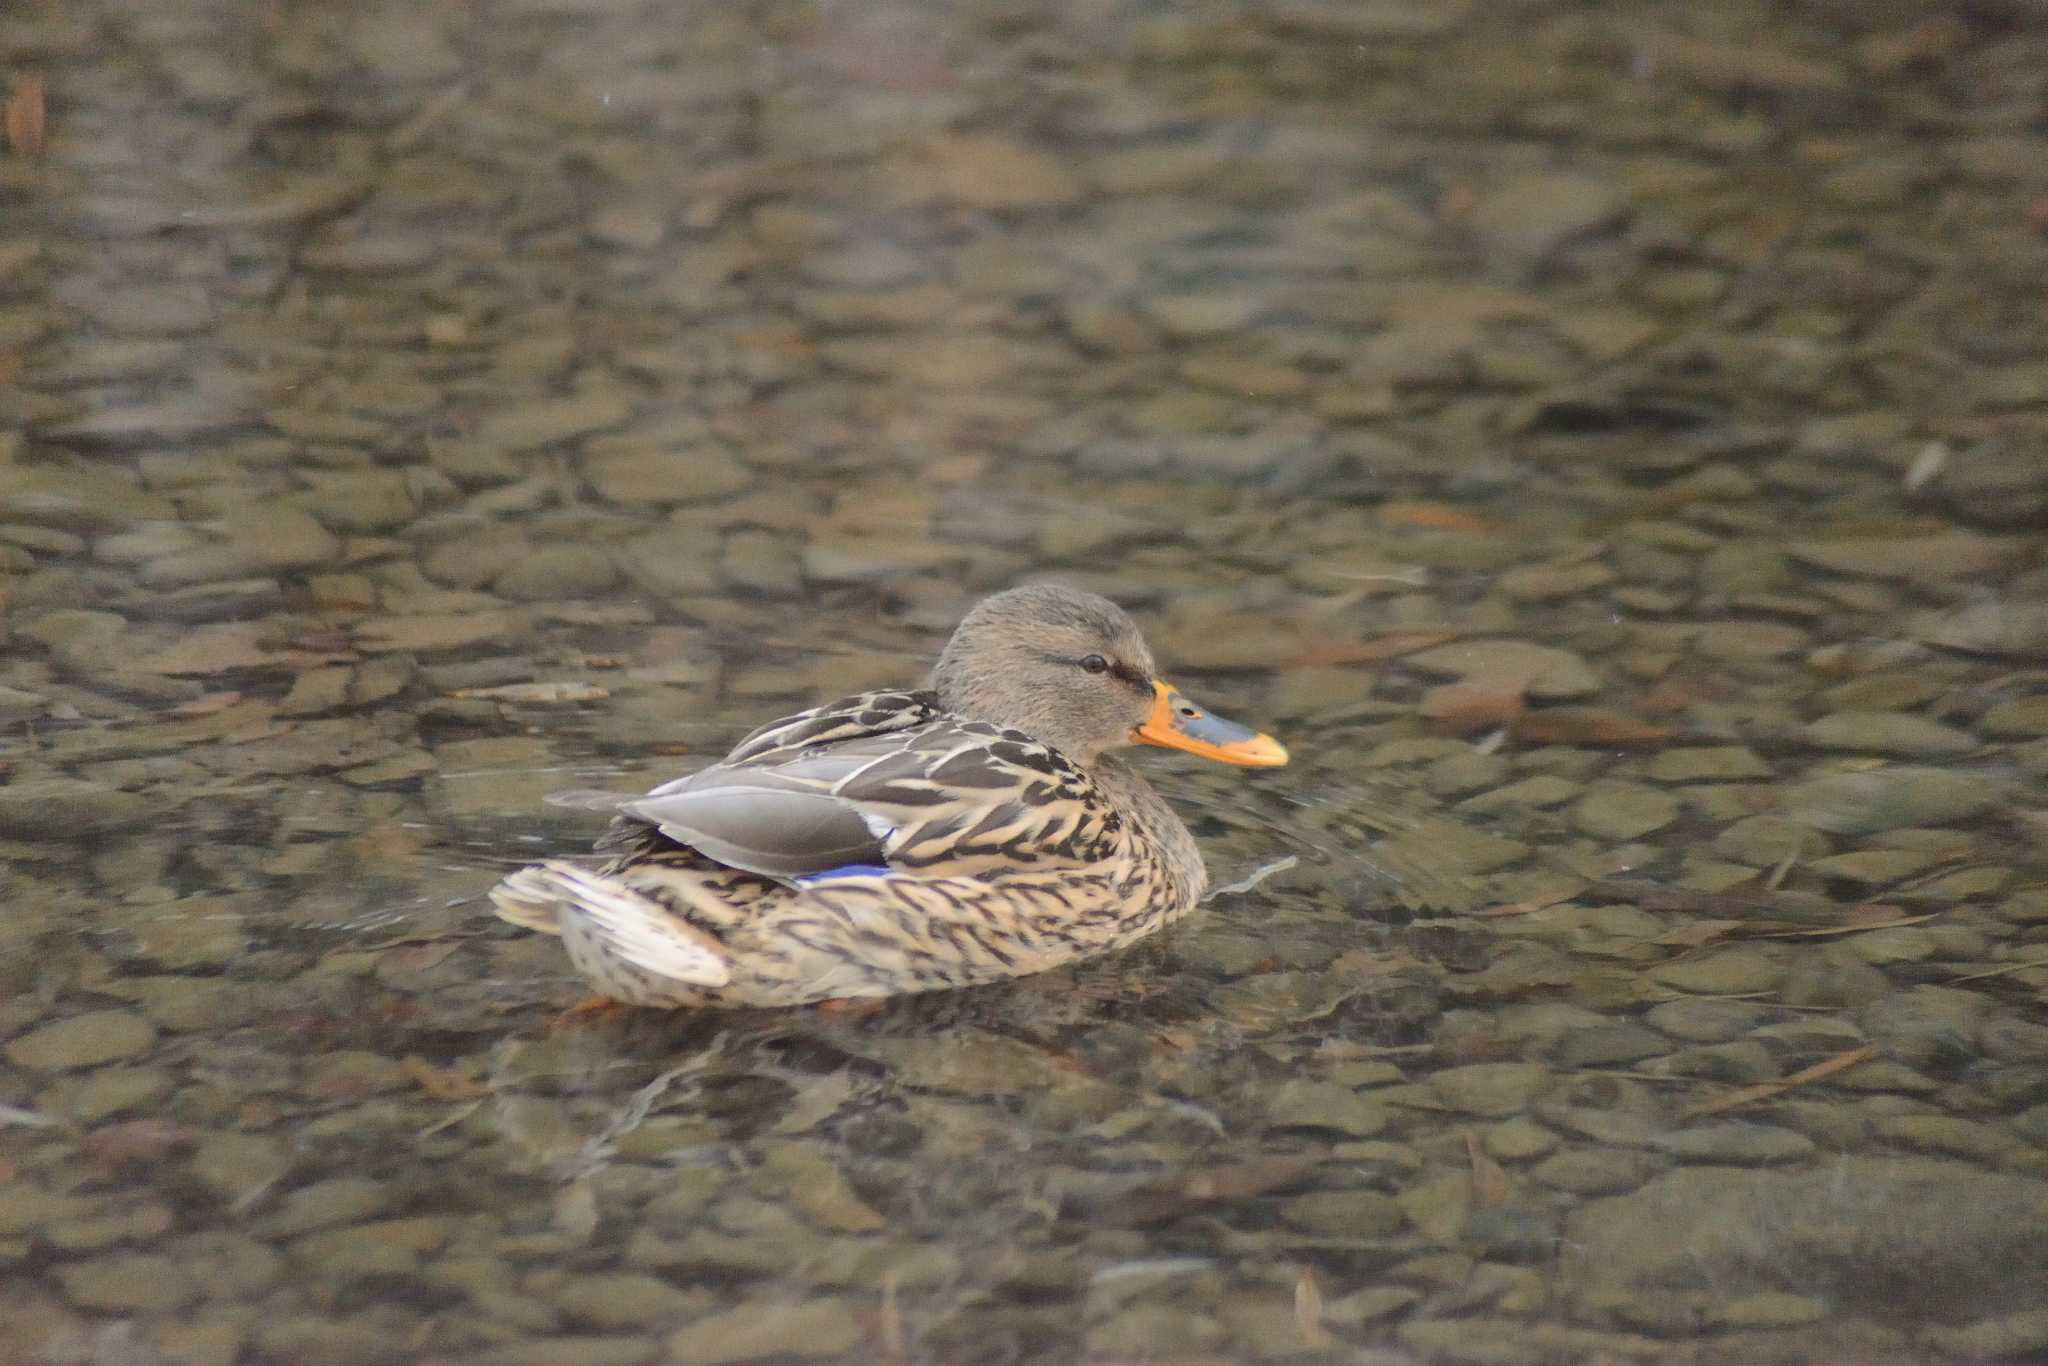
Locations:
{"points": [[1178, 723]]}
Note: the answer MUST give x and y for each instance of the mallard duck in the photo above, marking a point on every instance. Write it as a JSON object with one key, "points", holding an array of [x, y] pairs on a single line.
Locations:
{"points": [[900, 842]]}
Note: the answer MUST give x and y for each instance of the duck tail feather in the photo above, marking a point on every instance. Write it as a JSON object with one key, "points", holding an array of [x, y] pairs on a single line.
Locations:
{"points": [[635, 928], [529, 900]]}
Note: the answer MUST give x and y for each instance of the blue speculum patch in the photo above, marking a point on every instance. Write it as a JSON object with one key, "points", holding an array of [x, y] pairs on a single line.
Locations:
{"points": [[849, 870]]}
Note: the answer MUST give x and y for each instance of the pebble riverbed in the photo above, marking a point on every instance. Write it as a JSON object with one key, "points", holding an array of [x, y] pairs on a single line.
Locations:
{"points": [[1608, 446]]}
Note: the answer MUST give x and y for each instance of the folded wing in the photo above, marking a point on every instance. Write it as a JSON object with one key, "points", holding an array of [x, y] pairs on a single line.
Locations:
{"points": [[874, 781]]}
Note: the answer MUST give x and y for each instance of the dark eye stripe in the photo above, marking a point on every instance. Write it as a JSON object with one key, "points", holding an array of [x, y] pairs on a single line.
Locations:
{"points": [[1123, 673], [1134, 677]]}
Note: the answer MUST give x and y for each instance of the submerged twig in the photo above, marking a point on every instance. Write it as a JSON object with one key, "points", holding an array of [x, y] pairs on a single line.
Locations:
{"points": [[1827, 1067]]}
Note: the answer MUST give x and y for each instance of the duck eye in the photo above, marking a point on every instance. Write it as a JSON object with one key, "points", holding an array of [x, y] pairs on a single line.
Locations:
{"points": [[1095, 664]]}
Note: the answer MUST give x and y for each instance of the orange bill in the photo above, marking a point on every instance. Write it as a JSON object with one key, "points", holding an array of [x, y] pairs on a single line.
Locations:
{"points": [[1178, 723]]}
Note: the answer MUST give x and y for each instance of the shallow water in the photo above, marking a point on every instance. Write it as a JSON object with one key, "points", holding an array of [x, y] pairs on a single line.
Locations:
{"points": [[1608, 450]]}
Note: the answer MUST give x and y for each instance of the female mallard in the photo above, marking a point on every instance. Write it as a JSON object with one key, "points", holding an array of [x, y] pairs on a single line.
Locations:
{"points": [[897, 842]]}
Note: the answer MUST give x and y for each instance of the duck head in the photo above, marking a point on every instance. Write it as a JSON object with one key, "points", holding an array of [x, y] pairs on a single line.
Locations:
{"points": [[1070, 669]]}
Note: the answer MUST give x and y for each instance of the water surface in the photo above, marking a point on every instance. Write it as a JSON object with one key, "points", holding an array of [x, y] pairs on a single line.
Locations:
{"points": [[1607, 449]]}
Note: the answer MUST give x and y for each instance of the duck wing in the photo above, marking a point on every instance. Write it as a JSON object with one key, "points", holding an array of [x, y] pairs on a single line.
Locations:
{"points": [[879, 779], [858, 717]]}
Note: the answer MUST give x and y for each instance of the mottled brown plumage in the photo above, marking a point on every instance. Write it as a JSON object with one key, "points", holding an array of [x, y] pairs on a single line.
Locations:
{"points": [[898, 842]]}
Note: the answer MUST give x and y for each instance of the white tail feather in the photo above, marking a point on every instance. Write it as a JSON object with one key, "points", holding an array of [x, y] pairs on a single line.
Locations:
{"points": [[528, 900], [631, 928]]}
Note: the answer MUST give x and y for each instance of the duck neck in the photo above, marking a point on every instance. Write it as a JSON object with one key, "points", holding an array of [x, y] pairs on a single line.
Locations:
{"points": [[1156, 832]]}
